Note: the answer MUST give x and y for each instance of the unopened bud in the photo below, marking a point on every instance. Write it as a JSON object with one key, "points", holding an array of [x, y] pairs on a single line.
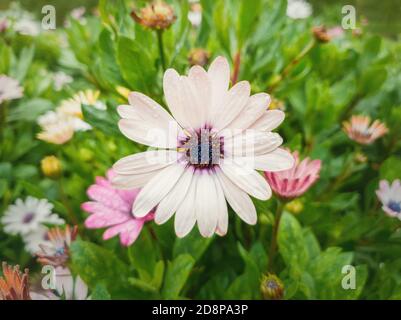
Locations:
{"points": [[321, 35], [198, 56], [271, 287], [157, 15], [51, 167], [295, 206]]}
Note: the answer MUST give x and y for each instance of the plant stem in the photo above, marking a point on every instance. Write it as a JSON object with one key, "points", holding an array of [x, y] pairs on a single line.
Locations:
{"points": [[3, 119], [161, 48], [286, 71], [237, 63], [273, 242]]}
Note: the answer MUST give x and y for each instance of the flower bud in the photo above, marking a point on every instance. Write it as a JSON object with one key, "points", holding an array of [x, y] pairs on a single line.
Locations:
{"points": [[157, 15], [123, 91], [321, 35], [198, 56], [295, 206], [271, 287], [51, 167]]}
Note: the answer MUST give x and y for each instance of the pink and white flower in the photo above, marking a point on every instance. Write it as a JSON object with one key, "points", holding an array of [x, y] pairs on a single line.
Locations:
{"points": [[296, 181], [390, 197], [210, 149], [359, 129], [10, 89], [111, 208]]}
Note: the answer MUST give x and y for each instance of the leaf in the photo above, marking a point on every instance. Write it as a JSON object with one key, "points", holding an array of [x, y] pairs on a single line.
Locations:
{"points": [[177, 275], [193, 244], [101, 119], [247, 19], [94, 263], [390, 169], [100, 293], [20, 69]]}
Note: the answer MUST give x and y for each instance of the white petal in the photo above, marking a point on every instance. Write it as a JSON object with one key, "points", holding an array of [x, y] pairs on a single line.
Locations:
{"points": [[222, 220], [239, 201], [233, 103], [219, 75], [251, 143], [173, 91], [201, 93], [206, 203], [247, 179], [156, 189], [277, 160], [254, 109], [269, 121], [145, 162], [174, 198], [132, 181], [185, 216], [146, 122]]}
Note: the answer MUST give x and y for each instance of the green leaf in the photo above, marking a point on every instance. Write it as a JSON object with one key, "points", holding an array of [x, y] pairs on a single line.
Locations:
{"points": [[101, 119], [94, 263], [193, 244], [100, 293], [390, 169], [177, 275], [248, 14], [20, 69]]}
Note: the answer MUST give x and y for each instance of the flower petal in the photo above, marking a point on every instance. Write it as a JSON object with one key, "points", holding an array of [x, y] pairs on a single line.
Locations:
{"points": [[277, 160], [269, 121]]}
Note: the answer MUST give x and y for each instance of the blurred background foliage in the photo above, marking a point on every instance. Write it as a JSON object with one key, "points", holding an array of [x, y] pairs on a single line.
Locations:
{"points": [[338, 222]]}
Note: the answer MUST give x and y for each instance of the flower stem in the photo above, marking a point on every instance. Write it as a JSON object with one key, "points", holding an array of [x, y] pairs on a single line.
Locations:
{"points": [[273, 242], [3, 119], [237, 63], [286, 71], [161, 48]]}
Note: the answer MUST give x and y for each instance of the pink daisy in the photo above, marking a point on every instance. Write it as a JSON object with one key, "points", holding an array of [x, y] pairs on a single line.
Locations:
{"points": [[296, 181], [111, 208]]}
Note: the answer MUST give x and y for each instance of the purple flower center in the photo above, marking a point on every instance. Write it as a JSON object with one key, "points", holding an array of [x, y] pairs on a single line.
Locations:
{"points": [[271, 284], [203, 149], [394, 206], [28, 217]]}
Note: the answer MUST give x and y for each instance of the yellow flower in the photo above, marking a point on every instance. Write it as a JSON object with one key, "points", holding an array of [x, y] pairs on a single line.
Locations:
{"points": [[51, 167], [123, 91]]}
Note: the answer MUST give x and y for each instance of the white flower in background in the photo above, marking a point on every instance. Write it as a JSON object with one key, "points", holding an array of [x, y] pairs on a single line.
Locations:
{"points": [[195, 14], [27, 26], [35, 238], [221, 137], [9, 89], [78, 13], [28, 216], [57, 127], [298, 9], [3, 24], [68, 287], [390, 197], [60, 80], [73, 106]]}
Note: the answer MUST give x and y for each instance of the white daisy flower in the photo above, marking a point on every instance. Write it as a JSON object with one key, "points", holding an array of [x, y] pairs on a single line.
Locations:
{"points": [[27, 26], [298, 9], [9, 89], [390, 197], [34, 239], [28, 216], [57, 127], [195, 14], [211, 147]]}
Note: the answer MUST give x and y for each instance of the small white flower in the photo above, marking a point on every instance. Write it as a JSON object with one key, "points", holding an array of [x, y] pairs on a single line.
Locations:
{"points": [[195, 14], [27, 216], [60, 80], [390, 197], [34, 239], [27, 26], [9, 89], [57, 127], [298, 9], [78, 13]]}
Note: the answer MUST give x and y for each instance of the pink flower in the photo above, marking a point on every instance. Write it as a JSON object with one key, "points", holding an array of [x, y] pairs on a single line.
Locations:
{"points": [[111, 208], [294, 182], [390, 197]]}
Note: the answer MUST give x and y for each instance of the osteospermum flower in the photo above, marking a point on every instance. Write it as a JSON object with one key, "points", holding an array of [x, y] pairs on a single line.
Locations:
{"points": [[209, 153], [56, 127], [390, 197], [14, 285], [296, 181], [26, 216], [34, 239], [73, 105], [56, 253], [9, 89], [156, 15], [359, 130], [67, 287], [111, 208]]}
